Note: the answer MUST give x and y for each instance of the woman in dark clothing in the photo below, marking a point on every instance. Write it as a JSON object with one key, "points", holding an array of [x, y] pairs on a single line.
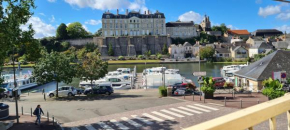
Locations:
{"points": [[38, 112]]}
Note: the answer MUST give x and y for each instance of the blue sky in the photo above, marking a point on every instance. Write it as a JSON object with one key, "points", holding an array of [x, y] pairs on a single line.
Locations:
{"points": [[236, 14]]}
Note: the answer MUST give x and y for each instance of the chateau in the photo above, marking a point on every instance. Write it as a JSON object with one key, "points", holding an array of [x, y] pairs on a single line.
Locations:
{"points": [[133, 23]]}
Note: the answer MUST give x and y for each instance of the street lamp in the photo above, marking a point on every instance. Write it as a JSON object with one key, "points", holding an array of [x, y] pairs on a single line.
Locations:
{"points": [[15, 85]]}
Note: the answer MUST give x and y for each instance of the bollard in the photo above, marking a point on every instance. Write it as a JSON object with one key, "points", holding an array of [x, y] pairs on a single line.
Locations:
{"points": [[22, 110], [31, 111], [44, 97], [225, 101], [258, 101], [47, 116], [184, 95], [192, 97], [53, 120], [204, 98], [241, 103], [28, 93], [200, 97]]}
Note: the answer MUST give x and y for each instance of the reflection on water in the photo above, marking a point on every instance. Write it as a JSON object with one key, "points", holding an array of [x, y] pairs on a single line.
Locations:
{"points": [[186, 70]]}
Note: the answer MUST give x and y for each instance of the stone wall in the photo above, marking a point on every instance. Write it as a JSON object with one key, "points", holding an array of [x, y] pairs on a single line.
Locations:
{"points": [[126, 45]]}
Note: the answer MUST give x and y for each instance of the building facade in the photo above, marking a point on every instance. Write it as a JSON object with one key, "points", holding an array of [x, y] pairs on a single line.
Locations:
{"points": [[181, 29], [206, 24], [133, 24]]}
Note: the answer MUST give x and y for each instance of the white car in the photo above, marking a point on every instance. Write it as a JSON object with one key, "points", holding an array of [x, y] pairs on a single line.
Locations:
{"points": [[63, 91]]}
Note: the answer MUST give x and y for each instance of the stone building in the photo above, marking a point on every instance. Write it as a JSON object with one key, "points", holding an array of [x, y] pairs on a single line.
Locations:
{"points": [[181, 29], [133, 24], [181, 51], [206, 24]]}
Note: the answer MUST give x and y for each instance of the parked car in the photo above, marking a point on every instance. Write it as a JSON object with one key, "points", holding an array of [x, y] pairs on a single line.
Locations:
{"points": [[100, 89], [80, 91], [182, 91], [63, 91], [219, 82], [177, 86]]}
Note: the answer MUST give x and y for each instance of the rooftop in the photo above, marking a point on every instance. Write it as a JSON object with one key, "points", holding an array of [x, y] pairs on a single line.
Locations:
{"points": [[180, 24], [239, 32]]}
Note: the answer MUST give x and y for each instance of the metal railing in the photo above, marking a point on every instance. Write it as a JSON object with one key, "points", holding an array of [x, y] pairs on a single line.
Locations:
{"points": [[249, 117]]}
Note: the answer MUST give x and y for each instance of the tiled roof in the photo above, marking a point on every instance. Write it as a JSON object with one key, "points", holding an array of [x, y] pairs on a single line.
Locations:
{"points": [[262, 69], [281, 44], [239, 32], [261, 45], [222, 50]]}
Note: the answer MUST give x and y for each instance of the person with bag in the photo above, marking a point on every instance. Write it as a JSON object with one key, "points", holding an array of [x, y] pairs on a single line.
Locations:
{"points": [[38, 112]]}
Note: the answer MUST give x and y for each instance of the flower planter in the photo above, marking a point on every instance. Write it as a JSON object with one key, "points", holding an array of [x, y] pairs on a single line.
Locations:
{"points": [[208, 95]]}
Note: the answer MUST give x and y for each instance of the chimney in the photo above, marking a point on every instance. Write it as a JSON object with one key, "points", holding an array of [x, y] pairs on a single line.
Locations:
{"points": [[117, 11], [127, 12], [148, 11], [157, 11], [144, 12]]}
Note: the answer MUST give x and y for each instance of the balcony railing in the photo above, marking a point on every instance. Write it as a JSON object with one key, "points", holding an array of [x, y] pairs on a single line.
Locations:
{"points": [[249, 117]]}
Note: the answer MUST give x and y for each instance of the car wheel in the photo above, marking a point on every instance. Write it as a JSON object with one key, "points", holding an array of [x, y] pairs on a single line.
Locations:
{"points": [[70, 94], [6, 96], [108, 93], [51, 95]]}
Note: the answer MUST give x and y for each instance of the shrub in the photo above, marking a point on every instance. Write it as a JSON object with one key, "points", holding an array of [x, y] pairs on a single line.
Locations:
{"points": [[121, 58], [162, 91], [208, 85], [159, 56], [140, 57], [273, 88]]}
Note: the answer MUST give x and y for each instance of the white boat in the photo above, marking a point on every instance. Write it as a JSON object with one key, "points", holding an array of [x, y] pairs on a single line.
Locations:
{"points": [[228, 71], [24, 81]]}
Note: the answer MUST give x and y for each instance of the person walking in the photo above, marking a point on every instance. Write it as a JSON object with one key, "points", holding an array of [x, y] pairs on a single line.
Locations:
{"points": [[38, 112]]}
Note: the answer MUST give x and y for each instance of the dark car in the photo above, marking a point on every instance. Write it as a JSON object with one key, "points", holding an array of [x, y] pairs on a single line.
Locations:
{"points": [[80, 91], [100, 89], [178, 86]]}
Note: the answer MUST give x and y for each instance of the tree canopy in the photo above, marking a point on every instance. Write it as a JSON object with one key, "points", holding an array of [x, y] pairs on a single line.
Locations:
{"points": [[76, 30], [206, 52], [61, 32], [223, 28], [110, 51], [54, 66], [165, 49]]}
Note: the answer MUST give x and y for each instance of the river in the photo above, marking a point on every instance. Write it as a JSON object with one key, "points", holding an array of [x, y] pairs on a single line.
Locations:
{"points": [[186, 70]]}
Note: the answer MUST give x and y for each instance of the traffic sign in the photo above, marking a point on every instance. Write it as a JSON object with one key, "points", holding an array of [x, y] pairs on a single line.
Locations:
{"points": [[199, 73]]}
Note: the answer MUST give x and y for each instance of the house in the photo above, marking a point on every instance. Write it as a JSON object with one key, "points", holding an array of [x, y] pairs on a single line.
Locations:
{"points": [[239, 53], [260, 48], [254, 40], [266, 33], [222, 53], [181, 51], [236, 34], [252, 76], [281, 44], [188, 50]]}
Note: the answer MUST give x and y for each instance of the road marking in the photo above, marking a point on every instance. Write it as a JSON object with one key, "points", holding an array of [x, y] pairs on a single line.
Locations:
{"points": [[75, 128], [142, 119], [211, 108], [105, 126], [198, 108], [162, 115], [172, 113], [152, 117], [183, 112], [187, 109], [131, 122], [89, 127], [120, 125]]}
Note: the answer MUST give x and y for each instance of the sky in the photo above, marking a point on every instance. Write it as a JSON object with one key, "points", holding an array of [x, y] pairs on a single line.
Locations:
{"points": [[236, 14]]}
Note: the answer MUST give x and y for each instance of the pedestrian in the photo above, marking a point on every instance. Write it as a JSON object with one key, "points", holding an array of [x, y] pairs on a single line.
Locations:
{"points": [[38, 112]]}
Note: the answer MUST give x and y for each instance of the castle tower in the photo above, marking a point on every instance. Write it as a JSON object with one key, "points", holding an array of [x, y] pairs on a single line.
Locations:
{"points": [[205, 24]]}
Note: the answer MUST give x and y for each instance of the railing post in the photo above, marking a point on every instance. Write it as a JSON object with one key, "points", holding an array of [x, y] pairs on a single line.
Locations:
{"points": [[184, 95], [258, 101], [199, 96], [241, 103], [203, 98], [272, 122], [53, 120], [225, 101], [22, 110], [192, 97], [44, 97], [288, 116], [31, 111]]}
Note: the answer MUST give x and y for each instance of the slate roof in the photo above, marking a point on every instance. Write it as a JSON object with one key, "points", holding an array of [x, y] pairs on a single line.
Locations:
{"points": [[262, 45], [180, 24], [281, 44], [222, 50], [132, 14], [266, 32], [262, 69], [187, 44], [239, 32]]}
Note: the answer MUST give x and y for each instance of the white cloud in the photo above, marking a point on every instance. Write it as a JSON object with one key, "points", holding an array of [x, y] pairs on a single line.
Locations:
{"points": [[259, 1], [269, 10], [284, 16], [109, 4], [191, 16], [232, 27], [52, 19], [86, 28], [41, 29], [42, 14], [284, 28], [51, 0], [93, 22]]}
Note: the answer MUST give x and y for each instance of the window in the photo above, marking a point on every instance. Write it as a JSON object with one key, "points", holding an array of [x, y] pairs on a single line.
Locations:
{"points": [[130, 21], [159, 16], [116, 21], [116, 25], [108, 16], [134, 21], [111, 21], [105, 26], [105, 21]]}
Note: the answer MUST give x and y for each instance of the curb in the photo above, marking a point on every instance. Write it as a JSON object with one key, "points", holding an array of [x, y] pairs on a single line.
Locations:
{"points": [[55, 121]]}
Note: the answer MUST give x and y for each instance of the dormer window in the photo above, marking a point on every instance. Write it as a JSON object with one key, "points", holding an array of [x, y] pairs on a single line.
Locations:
{"points": [[159, 16], [108, 16]]}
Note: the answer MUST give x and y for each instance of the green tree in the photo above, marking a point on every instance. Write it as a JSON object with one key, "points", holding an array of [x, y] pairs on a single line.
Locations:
{"points": [[273, 88], [65, 45], [206, 52], [165, 49], [61, 32], [98, 33], [110, 51], [54, 67], [33, 50], [76, 30], [91, 47], [92, 67], [147, 54], [223, 28]]}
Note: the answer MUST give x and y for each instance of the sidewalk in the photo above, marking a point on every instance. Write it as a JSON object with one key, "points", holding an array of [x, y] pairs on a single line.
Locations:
{"points": [[26, 122]]}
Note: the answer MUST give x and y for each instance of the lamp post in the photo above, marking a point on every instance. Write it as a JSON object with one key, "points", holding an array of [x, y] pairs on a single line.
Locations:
{"points": [[15, 86]]}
